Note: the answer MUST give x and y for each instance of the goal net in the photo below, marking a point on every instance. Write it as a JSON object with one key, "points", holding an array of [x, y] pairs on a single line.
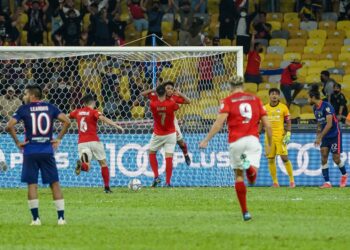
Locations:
{"points": [[116, 77]]}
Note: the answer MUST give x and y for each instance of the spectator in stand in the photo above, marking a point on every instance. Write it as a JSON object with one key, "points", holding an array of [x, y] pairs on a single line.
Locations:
{"points": [[288, 82], [103, 34], [242, 28], [344, 9], [307, 12], [117, 27], [8, 31], [9, 103], [186, 21], [338, 101], [137, 12], [68, 5], [155, 16], [262, 28], [199, 6], [227, 14], [205, 68], [252, 73], [328, 84], [60, 94], [36, 21]]}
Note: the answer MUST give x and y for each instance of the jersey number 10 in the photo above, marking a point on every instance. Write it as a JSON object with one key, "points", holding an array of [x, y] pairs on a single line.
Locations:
{"points": [[37, 123]]}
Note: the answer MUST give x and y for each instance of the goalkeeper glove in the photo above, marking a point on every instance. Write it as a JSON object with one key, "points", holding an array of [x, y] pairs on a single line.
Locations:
{"points": [[286, 138]]}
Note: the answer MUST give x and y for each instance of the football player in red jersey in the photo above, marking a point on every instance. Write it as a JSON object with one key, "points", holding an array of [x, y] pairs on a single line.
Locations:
{"points": [[243, 113], [164, 133], [89, 145]]}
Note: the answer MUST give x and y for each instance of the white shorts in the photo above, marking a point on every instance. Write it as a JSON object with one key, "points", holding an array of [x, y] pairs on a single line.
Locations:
{"points": [[250, 146], [159, 141], [178, 130], [93, 149]]}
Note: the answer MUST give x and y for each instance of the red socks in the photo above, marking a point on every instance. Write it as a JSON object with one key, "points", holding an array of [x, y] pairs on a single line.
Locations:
{"points": [[184, 148], [168, 169], [84, 167], [105, 175], [154, 164], [251, 175], [241, 191]]}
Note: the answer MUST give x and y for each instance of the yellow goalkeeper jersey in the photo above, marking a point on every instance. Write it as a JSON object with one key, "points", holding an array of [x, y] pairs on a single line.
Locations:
{"points": [[277, 115]]}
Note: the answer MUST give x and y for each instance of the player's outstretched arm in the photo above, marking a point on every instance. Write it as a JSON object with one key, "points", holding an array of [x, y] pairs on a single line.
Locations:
{"points": [[147, 92], [217, 126], [267, 127], [65, 126], [110, 122], [187, 100], [10, 128]]}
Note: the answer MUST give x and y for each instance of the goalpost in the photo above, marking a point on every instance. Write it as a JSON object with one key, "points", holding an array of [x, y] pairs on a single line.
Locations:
{"points": [[116, 76]]}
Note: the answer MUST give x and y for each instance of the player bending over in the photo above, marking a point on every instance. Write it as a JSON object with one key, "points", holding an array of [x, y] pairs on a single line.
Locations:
{"points": [[164, 133], [243, 113], [278, 114], [38, 149], [329, 136], [89, 145]]}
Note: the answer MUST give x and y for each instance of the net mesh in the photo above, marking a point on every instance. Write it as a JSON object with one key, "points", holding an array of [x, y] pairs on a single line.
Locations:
{"points": [[117, 79]]}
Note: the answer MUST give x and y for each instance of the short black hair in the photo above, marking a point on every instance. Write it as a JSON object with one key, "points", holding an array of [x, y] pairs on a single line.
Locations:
{"points": [[256, 45], [35, 90], [88, 99], [274, 90], [338, 85], [169, 83], [325, 72], [160, 90], [315, 92]]}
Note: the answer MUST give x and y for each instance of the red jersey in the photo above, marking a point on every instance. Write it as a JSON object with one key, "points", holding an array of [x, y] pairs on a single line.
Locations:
{"points": [[163, 115], [289, 73], [136, 11], [253, 64], [244, 114], [87, 123]]}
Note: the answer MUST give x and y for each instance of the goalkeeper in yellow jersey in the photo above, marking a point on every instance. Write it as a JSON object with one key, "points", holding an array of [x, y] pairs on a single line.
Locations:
{"points": [[278, 115]]}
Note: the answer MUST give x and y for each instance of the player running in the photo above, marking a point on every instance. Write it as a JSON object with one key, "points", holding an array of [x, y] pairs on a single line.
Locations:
{"points": [[278, 114], [38, 148], [329, 136], [89, 145], [243, 113], [164, 132]]}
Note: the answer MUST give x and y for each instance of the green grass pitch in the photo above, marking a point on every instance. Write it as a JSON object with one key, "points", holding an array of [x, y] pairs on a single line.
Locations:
{"points": [[180, 218]]}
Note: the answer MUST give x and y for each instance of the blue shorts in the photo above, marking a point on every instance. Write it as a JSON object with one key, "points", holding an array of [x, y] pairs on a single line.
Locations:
{"points": [[334, 144], [46, 163]]}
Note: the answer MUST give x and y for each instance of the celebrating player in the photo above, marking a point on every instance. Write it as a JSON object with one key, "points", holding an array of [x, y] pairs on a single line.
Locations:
{"points": [[38, 148], [278, 114], [243, 113], [89, 145], [329, 136], [179, 98], [164, 133]]}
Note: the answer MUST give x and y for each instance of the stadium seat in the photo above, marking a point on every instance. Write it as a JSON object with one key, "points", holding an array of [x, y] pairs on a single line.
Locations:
{"points": [[296, 42], [336, 34], [290, 16], [346, 79], [306, 109], [171, 37], [337, 71], [319, 34], [275, 50], [309, 63], [345, 49], [310, 25], [347, 41], [167, 26], [263, 95], [328, 56], [268, 85], [275, 79], [278, 42], [225, 42], [138, 112], [294, 111], [347, 34], [344, 56], [334, 43], [275, 25], [287, 5], [273, 64], [86, 21], [315, 70], [337, 78], [124, 88], [343, 63], [250, 87], [303, 72], [284, 64], [280, 34], [298, 34], [291, 25], [273, 57], [277, 17], [327, 25], [343, 25], [326, 64], [315, 78], [291, 56], [329, 16], [310, 56], [315, 42], [295, 49], [307, 116], [313, 49], [303, 94]]}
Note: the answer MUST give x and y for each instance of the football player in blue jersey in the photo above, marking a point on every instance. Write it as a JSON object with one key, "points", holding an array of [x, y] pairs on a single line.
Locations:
{"points": [[38, 148], [329, 136]]}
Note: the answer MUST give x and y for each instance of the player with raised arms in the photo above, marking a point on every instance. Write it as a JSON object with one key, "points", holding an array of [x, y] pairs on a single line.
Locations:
{"points": [[89, 145], [164, 132], [329, 136], [278, 115], [38, 148], [243, 113]]}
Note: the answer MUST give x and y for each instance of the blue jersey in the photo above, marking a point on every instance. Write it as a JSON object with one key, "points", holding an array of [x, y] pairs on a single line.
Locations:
{"points": [[38, 119], [321, 113]]}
